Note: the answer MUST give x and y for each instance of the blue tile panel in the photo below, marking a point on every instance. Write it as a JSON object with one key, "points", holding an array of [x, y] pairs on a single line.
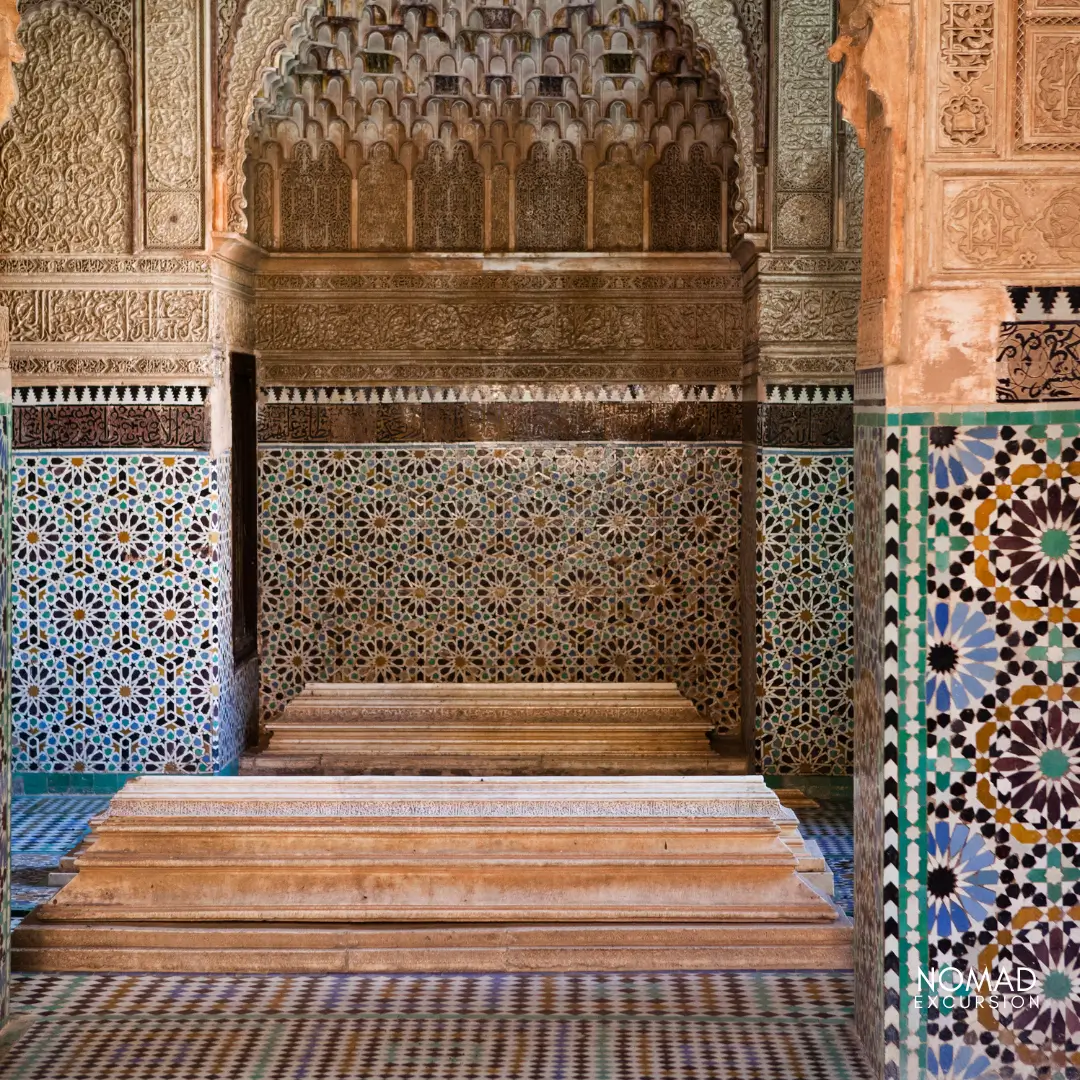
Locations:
{"points": [[122, 621], [727, 1026]]}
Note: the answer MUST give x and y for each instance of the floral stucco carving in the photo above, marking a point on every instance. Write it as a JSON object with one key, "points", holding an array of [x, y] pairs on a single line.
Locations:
{"points": [[65, 157], [717, 24], [264, 27]]}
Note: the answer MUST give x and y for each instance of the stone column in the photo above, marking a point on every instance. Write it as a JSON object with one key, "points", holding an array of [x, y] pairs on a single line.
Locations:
{"points": [[968, 519], [801, 286]]}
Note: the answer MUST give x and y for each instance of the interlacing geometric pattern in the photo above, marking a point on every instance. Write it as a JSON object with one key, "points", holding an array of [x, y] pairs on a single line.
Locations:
{"points": [[705, 1026], [122, 621], [804, 575], [504, 562], [999, 674]]}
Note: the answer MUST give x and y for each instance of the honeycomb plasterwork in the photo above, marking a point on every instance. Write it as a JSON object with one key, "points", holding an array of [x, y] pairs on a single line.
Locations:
{"points": [[544, 91], [267, 33]]}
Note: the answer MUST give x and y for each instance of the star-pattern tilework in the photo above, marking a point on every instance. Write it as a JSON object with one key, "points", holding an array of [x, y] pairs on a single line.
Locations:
{"points": [[804, 598], [121, 622], [716, 1026], [510, 562], [1002, 701]]}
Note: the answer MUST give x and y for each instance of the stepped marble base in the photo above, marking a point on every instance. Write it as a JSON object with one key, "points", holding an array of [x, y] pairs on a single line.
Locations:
{"points": [[419, 873], [314, 948], [487, 729]]}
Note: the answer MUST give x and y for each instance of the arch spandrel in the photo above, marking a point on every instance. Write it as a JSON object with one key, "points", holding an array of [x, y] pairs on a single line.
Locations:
{"points": [[270, 32]]}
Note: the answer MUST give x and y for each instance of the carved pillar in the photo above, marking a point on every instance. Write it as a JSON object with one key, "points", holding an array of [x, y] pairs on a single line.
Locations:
{"points": [[968, 519], [801, 288]]}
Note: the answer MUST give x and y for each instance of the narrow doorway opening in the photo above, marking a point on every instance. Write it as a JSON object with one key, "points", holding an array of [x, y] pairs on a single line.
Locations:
{"points": [[245, 549]]}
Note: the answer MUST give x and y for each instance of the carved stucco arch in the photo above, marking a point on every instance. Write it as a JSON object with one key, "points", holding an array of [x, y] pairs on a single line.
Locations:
{"points": [[266, 26]]}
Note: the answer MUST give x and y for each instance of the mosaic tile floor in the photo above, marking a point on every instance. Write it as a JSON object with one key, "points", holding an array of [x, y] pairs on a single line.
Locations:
{"points": [[43, 828], [683, 1026], [830, 824], [724, 1026]]}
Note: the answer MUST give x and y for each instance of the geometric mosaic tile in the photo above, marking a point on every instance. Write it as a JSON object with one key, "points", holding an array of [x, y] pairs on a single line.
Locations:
{"points": [[502, 562], [804, 598], [985, 677], [721, 1026], [122, 619]]}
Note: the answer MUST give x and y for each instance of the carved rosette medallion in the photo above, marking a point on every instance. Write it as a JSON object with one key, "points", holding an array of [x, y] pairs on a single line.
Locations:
{"points": [[984, 224]]}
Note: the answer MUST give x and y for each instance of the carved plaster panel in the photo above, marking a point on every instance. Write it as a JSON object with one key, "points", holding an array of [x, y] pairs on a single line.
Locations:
{"points": [[42, 267], [503, 327], [803, 186], [107, 315], [173, 126], [28, 365], [233, 320], [566, 370], [117, 16], [347, 328], [967, 99], [65, 155], [853, 163], [809, 313], [993, 223], [1047, 89]]}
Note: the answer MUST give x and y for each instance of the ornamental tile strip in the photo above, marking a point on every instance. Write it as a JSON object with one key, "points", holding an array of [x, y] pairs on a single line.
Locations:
{"points": [[1038, 303], [483, 394], [814, 394], [109, 395]]}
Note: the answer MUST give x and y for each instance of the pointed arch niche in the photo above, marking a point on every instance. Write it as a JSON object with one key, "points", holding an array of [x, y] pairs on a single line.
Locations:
{"points": [[452, 125]]}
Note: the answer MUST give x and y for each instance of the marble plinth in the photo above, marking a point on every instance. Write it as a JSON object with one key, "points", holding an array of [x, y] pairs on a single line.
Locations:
{"points": [[424, 873], [491, 729]]}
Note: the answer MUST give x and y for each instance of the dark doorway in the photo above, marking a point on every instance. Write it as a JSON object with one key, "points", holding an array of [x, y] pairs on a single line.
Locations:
{"points": [[245, 551]]}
